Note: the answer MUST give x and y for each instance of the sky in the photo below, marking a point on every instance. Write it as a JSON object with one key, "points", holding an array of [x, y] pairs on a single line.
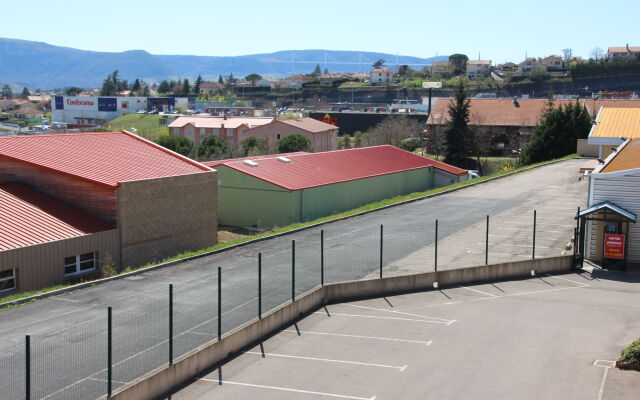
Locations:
{"points": [[495, 30]]}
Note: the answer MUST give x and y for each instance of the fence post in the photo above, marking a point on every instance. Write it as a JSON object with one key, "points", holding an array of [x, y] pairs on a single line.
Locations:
{"points": [[293, 270], [381, 242], [27, 365], [171, 324], [436, 252], [322, 257], [535, 219], [259, 285], [109, 352], [486, 244], [219, 303]]}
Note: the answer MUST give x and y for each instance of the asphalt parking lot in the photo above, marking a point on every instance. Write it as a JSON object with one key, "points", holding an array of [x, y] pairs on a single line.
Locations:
{"points": [[71, 328], [534, 338]]}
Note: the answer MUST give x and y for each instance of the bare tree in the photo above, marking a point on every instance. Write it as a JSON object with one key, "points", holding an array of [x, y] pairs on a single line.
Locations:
{"points": [[479, 140], [392, 130], [567, 54], [597, 53]]}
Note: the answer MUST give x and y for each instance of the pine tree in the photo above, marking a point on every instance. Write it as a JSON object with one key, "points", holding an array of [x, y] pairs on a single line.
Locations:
{"points": [[557, 132], [316, 71], [186, 87], [457, 133], [136, 86], [164, 87], [25, 92], [6, 92], [146, 92], [196, 87], [220, 80]]}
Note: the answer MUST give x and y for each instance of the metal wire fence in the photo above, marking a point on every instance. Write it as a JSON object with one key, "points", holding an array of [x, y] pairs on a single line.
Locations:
{"points": [[94, 358]]}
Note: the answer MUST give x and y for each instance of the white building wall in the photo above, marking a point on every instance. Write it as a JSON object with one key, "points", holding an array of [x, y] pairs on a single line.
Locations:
{"points": [[623, 191]]}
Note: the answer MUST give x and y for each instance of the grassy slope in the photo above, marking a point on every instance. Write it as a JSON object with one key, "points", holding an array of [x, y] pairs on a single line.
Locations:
{"points": [[147, 125], [366, 207]]}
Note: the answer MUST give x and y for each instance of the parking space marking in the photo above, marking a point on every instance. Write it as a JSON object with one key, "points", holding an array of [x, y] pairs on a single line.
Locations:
{"points": [[377, 317], [448, 321], [258, 353], [602, 383], [569, 280], [427, 343], [478, 291], [341, 396], [498, 297]]}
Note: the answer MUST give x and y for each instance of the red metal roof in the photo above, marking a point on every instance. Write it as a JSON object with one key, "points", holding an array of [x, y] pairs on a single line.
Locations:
{"points": [[28, 218], [319, 169], [215, 163], [105, 158]]}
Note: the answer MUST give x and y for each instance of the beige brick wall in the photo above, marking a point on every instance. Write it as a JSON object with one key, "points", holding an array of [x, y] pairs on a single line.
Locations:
{"points": [[159, 218]]}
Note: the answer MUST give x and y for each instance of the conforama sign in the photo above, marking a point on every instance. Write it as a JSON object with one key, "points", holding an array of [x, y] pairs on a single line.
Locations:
{"points": [[107, 104]]}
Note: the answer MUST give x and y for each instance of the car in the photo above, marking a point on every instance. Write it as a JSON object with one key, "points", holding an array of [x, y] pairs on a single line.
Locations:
{"points": [[473, 174]]}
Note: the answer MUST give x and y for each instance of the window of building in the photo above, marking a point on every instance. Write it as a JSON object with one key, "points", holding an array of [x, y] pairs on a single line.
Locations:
{"points": [[229, 131], [79, 264], [216, 131], [277, 136], [202, 131], [7, 280]]}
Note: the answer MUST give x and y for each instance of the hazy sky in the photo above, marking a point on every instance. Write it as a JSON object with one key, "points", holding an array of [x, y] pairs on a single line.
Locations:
{"points": [[498, 30]]}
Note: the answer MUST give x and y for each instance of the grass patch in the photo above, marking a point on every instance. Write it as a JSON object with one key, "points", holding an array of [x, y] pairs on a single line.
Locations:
{"points": [[288, 228], [147, 125], [22, 295]]}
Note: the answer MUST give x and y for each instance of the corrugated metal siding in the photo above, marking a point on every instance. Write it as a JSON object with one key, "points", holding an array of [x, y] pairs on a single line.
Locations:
{"points": [[42, 265], [623, 191], [327, 200]]}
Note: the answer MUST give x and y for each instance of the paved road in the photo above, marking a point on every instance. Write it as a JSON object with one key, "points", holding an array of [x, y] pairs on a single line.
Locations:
{"points": [[527, 339], [68, 331]]}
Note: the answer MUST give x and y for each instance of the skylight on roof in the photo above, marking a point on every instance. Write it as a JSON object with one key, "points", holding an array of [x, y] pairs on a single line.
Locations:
{"points": [[251, 163]]}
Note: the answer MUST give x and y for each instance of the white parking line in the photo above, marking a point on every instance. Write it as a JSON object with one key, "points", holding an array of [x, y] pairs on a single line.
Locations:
{"points": [[376, 317], [258, 353], [400, 312], [478, 291], [104, 380], [602, 383], [341, 396], [496, 297], [568, 280], [427, 343]]}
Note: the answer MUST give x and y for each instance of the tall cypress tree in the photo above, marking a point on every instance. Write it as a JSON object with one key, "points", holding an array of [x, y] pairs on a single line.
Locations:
{"points": [[196, 86], [457, 133]]}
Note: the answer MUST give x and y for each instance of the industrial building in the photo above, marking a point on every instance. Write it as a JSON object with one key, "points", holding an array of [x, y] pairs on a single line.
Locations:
{"points": [[97, 111], [614, 192], [71, 203], [279, 190]]}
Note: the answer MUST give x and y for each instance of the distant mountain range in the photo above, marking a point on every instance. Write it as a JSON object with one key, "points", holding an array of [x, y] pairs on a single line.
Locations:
{"points": [[41, 65]]}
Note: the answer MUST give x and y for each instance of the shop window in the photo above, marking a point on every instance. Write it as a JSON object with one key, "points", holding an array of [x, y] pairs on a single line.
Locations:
{"points": [[7, 280], [79, 264]]}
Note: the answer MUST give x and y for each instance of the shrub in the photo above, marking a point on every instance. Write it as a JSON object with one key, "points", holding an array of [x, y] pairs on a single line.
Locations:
{"points": [[108, 269], [293, 143], [410, 144], [631, 353]]}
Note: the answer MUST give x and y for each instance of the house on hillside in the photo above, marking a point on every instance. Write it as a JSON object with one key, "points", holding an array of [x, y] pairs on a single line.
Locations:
{"points": [[232, 129], [282, 189], [211, 88], [528, 65], [478, 69], [381, 75], [625, 53], [323, 136], [27, 112], [75, 202]]}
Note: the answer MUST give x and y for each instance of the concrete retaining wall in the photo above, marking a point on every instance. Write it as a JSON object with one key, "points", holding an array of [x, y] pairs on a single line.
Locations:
{"points": [[166, 378]]}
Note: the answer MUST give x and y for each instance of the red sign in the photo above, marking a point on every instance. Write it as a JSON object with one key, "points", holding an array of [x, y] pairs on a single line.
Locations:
{"points": [[327, 119], [614, 246]]}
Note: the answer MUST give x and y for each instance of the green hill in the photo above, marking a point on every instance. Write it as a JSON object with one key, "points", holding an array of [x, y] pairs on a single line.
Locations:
{"points": [[145, 125]]}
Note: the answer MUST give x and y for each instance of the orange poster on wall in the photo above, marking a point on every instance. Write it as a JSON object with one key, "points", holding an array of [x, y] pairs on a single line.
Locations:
{"points": [[614, 246]]}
